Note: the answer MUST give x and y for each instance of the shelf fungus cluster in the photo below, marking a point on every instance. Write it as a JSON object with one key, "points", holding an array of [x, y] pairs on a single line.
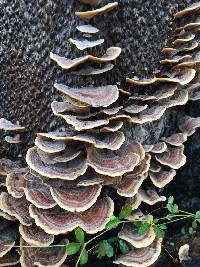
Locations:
{"points": [[13, 129], [69, 171]]}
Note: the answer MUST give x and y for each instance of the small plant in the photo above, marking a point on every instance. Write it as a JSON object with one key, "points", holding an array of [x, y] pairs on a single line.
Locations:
{"points": [[109, 247]]}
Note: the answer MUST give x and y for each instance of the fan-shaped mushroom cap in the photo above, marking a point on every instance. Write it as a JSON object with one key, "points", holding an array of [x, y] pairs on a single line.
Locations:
{"points": [[76, 199], [190, 26], [91, 2], [87, 29], [113, 126], [187, 47], [7, 216], [133, 109], [179, 98], [61, 107], [162, 178], [176, 139], [154, 112], [43, 257], [111, 111], [134, 201], [184, 38], [84, 44], [9, 126], [175, 59], [182, 77], [108, 163], [93, 96], [38, 193], [87, 15], [159, 148], [68, 171], [13, 139], [57, 222], [137, 148], [15, 182], [9, 166], [129, 187], [130, 234], [139, 257], [111, 54], [34, 235], [189, 124], [154, 166], [183, 253], [144, 98], [150, 196], [195, 7], [7, 238], [50, 146], [173, 158], [16, 207], [85, 71], [10, 259]]}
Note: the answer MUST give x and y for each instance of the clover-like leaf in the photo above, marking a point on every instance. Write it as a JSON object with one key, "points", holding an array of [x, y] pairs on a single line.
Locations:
{"points": [[144, 227], [125, 211], [80, 235], [84, 257], [72, 248], [123, 247], [113, 223], [108, 249]]}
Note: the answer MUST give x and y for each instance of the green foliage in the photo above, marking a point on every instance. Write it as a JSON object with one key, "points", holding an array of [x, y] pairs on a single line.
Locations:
{"points": [[84, 257], [123, 247], [173, 208], [80, 235], [144, 228], [159, 230], [125, 212], [113, 223], [72, 248]]}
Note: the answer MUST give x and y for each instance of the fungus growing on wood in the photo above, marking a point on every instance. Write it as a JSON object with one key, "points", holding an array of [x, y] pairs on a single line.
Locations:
{"points": [[86, 71], [162, 178], [9, 126], [51, 256], [174, 157], [87, 28], [176, 139], [190, 26], [85, 44], [195, 7], [111, 54], [141, 256], [93, 220], [91, 96], [130, 234], [179, 98], [13, 139], [113, 126], [184, 38], [10, 259], [150, 196], [38, 193], [87, 15], [188, 125], [34, 235], [175, 59], [62, 107], [68, 171], [112, 164], [15, 183], [49, 146], [158, 148], [76, 199], [154, 166], [16, 207], [134, 108]]}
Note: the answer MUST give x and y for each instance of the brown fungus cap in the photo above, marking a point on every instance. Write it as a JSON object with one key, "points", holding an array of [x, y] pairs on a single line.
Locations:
{"points": [[176, 139], [57, 222], [188, 125], [13, 139], [50, 146], [76, 199], [162, 178], [130, 234], [87, 15], [85, 44], [62, 107], [150, 196], [87, 28], [38, 193], [112, 164], [139, 257], [187, 37], [41, 257], [175, 59], [159, 148], [10, 259], [9, 126], [141, 169], [128, 187], [92, 96], [179, 98], [174, 158], [35, 236], [67, 171], [16, 207], [134, 108], [15, 183], [113, 126], [111, 54], [195, 7]]}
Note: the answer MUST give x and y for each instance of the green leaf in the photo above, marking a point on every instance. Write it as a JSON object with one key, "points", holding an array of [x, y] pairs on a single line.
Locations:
{"points": [[108, 249], [125, 211], [163, 227], [112, 239], [197, 215], [113, 223], [170, 207], [101, 250], [194, 224], [72, 248], [170, 200], [183, 230], [123, 247], [84, 257], [190, 230], [175, 208], [80, 235], [159, 231], [144, 227]]}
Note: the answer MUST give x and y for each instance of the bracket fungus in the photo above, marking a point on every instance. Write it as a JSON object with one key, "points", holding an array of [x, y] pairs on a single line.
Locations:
{"points": [[84, 44]]}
